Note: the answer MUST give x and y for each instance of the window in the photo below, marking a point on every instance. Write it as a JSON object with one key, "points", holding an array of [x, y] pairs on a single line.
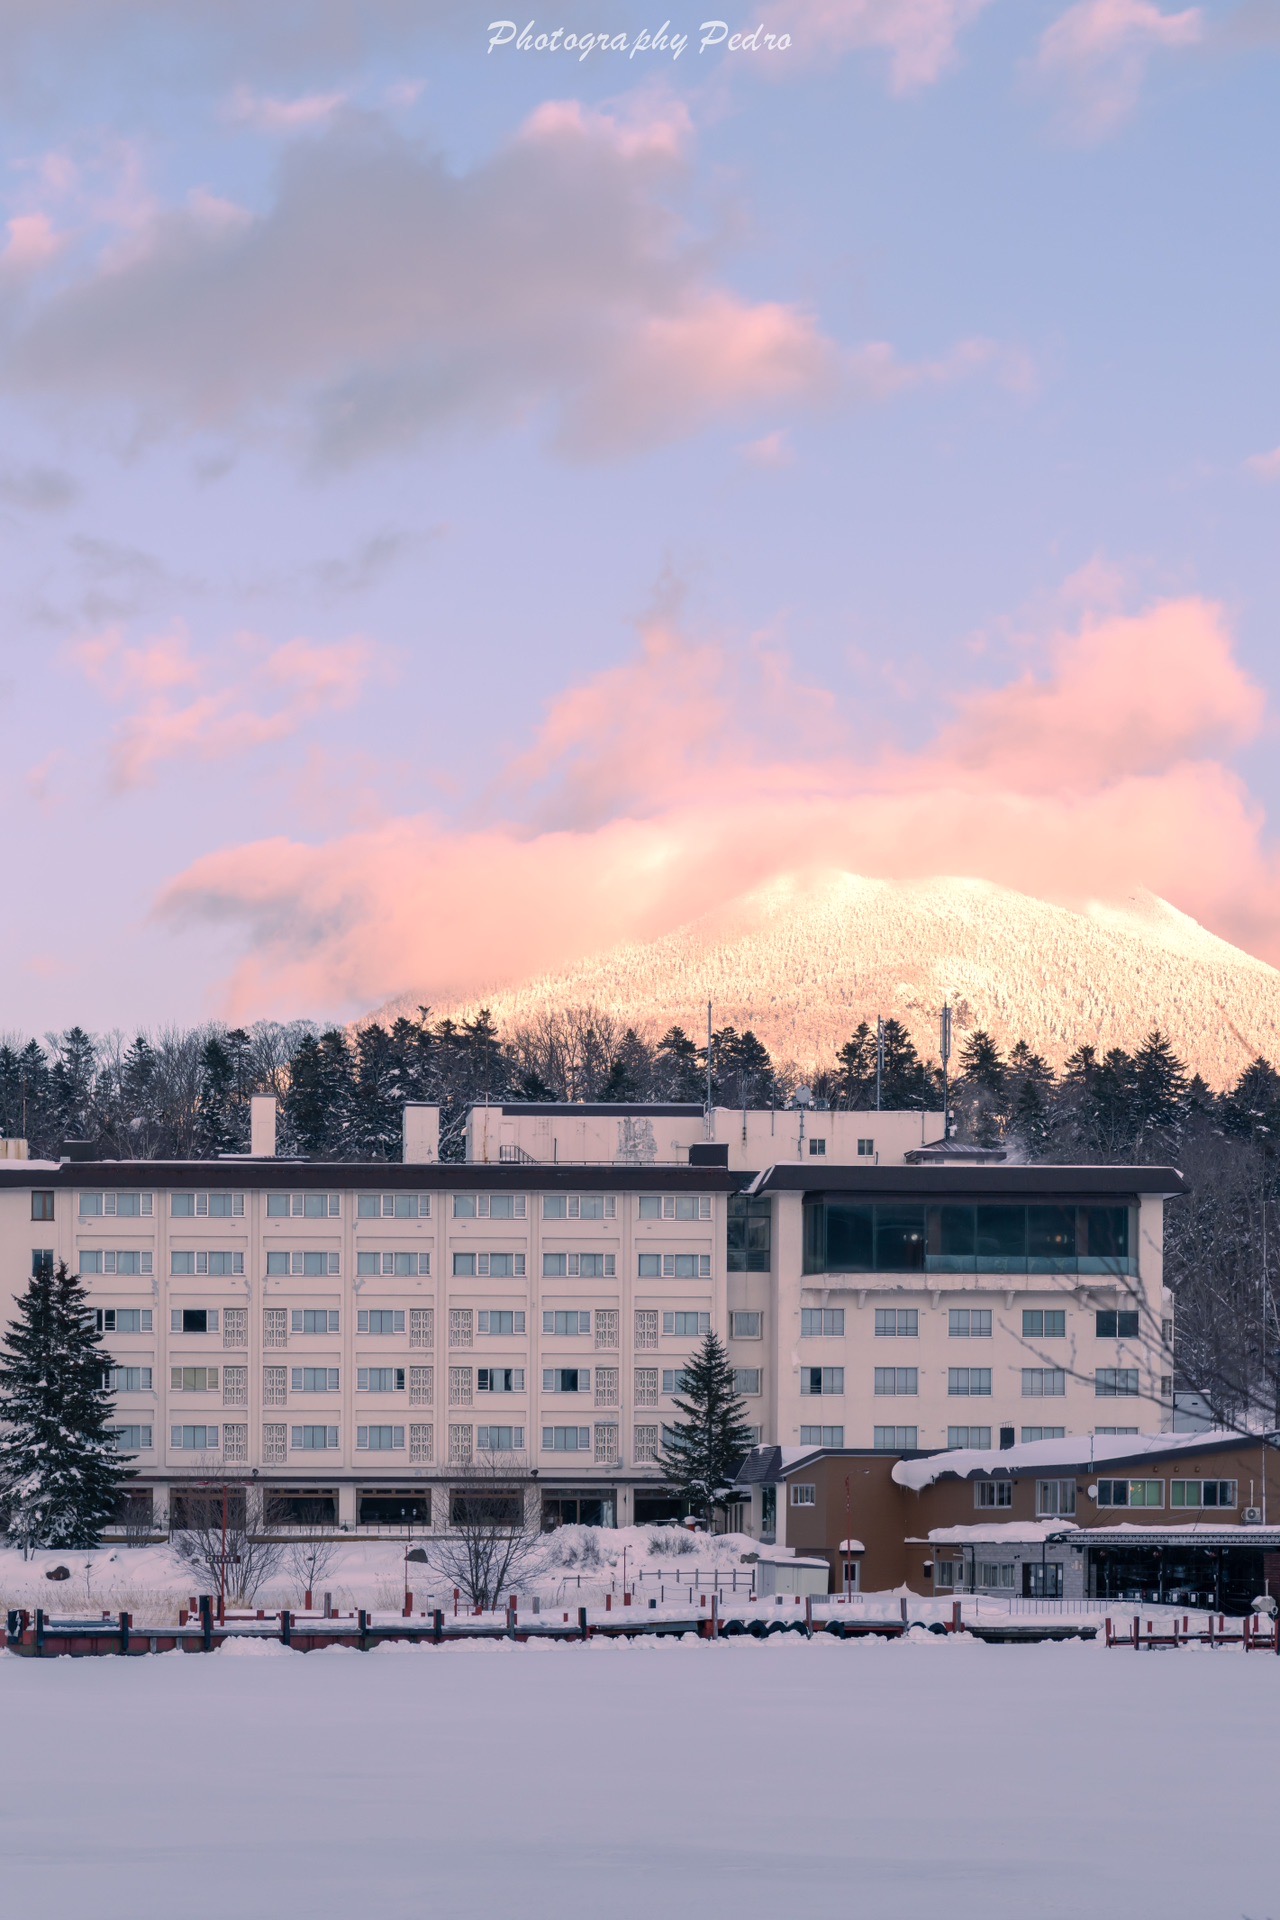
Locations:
{"points": [[117, 1260], [500, 1439], [645, 1447], [1041, 1580], [1115, 1382], [1202, 1493], [888, 1380], [503, 1379], [310, 1265], [235, 1326], [675, 1266], [962, 1380], [895, 1439], [123, 1319], [566, 1325], [421, 1386], [978, 1438], [235, 1386], [314, 1380], [393, 1206], [133, 1439], [488, 1266], [944, 1574], [235, 1443], [1043, 1433], [422, 1326], [459, 1445], [274, 1438], [566, 1439], [566, 1379], [1054, 1497], [128, 1379], [274, 1388], [1049, 1323], [490, 1206], [460, 1379], [405, 1265], [207, 1206], [817, 1148], [304, 1206], [42, 1262], [673, 1379], [607, 1321], [193, 1379], [901, 1323], [193, 1320], [110, 1206], [989, 1494], [213, 1262], [803, 1494], [822, 1436], [460, 1325], [646, 1386], [680, 1206], [421, 1441], [831, 1379], [969, 1323], [746, 1326], [580, 1206], [842, 1236], [1116, 1326], [866, 1148], [1043, 1382], [749, 1234], [378, 1379], [1131, 1493], [194, 1439], [588, 1266], [42, 1209], [605, 1451], [506, 1321], [821, 1321], [315, 1320], [995, 1573], [275, 1327], [606, 1386], [746, 1380], [646, 1327], [381, 1320], [686, 1326], [380, 1439]]}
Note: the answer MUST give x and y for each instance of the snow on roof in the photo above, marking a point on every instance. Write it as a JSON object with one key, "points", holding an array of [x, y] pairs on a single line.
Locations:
{"points": [[852, 1546], [1078, 1451], [1001, 1533]]}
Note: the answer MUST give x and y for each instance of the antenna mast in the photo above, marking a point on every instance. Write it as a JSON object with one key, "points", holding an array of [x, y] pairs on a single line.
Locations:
{"points": [[879, 1056], [944, 1048], [709, 1122]]}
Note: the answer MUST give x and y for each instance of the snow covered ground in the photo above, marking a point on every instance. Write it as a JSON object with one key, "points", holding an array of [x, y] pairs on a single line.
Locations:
{"points": [[895, 1781]]}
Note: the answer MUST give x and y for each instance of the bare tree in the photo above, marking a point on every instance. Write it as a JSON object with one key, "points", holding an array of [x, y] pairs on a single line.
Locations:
{"points": [[309, 1560], [494, 1542], [231, 1547]]}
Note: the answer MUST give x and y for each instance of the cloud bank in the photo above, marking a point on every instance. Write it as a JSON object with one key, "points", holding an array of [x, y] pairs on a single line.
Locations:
{"points": [[653, 793]]}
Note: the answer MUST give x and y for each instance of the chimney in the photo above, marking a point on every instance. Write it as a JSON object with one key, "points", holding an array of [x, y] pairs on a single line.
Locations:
{"points": [[262, 1126], [421, 1134]]}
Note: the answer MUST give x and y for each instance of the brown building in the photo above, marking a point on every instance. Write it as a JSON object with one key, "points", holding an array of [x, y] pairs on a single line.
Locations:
{"points": [[1177, 1518]]}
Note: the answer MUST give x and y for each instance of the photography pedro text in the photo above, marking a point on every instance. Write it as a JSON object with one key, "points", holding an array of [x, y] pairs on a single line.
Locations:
{"points": [[711, 34]]}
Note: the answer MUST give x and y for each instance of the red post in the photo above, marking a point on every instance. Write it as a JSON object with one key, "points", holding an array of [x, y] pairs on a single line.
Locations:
{"points": [[608, 1603], [457, 1595], [955, 1616], [1136, 1623], [1107, 1623], [408, 1603], [306, 1601]]}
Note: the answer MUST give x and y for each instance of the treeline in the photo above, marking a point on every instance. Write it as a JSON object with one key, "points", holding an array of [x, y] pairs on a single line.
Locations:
{"points": [[342, 1092]]}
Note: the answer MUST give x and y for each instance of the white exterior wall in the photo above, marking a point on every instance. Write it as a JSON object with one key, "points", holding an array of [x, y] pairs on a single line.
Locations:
{"points": [[254, 1234], [759, 1137]]}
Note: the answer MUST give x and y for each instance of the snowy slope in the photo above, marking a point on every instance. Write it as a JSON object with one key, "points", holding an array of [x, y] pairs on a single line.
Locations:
{"points": [[802, 960]]}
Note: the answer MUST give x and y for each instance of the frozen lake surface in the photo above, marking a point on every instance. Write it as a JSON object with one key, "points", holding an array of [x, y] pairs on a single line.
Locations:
{"points": [[885, 1781]]}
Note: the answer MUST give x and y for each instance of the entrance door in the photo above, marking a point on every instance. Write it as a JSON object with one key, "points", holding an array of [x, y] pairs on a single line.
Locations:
{"points": [[853, 1576]]}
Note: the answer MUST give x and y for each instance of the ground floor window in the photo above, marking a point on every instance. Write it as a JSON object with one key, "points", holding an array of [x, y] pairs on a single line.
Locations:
{"points": [[593, 1507], [1041, 1580], [394, 1507]]}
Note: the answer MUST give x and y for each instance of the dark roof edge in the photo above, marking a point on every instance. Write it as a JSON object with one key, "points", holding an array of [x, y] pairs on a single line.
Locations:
{"points": [[441, 1175], [922, 1181]]}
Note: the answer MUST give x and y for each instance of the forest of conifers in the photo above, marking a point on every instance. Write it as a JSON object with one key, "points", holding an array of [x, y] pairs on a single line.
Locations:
{"points": [[341, 1093]]}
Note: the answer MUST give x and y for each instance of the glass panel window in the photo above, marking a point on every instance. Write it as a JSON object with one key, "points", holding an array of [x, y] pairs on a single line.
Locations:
{"points": [[825, 1322], [1115, 1382], [897, 1322], [1117, 1325], [831, 1379], [894, 1380], [1040, 1382], [895, 1439], [746, 1326], [822, 1436], [1054, 1497], [969, 1323], [1043, 1433], [1044, 1323], [968, 1380], [977, 1438], [993, 1493], [803, 1495], [1131, 1493]]}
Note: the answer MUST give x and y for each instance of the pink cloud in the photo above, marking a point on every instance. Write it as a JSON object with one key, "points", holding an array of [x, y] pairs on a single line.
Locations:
{"points": [[180, 711], [31, 243], [918, 36], [1099, 51], [675, 782]]}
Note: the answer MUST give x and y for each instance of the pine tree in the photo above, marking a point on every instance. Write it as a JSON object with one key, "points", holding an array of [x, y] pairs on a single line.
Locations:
{"points": [[60, 1471], [704, 1448], [854, 1082], [676, 1069], [1160, 1084]]}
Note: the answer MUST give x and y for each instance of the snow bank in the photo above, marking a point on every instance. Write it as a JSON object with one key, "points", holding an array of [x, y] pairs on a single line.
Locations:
{"points": [[1006, 1533]]}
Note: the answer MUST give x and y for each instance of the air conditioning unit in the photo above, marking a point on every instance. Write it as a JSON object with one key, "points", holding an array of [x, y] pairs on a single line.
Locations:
{"points": [[1251, 1517]]}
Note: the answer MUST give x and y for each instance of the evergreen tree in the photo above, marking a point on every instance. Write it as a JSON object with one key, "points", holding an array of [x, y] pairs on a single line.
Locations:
{"points": [[1159, 1085], [215, 1131], [906, 1081], [60, 1471], [742, 1072], [74, 1072], [854, 1084], [704, 1448], [677, 1069]]}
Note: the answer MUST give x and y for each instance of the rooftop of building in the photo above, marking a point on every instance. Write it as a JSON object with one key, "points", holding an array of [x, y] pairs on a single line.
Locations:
{"points": [[973, 1182], [1077, 1453]]}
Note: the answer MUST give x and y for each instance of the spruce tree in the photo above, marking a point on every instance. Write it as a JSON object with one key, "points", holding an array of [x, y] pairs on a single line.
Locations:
{"points": [[704, 1448], [60, 1470]]}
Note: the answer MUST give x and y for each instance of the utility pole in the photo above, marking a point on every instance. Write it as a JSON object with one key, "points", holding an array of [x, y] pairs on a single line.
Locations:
{"points": [[879, 1057], [709, 1122], [944, 1048]]}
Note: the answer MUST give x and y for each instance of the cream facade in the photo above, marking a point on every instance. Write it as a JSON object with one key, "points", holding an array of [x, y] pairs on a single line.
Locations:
{"points": [[351, 1336]]}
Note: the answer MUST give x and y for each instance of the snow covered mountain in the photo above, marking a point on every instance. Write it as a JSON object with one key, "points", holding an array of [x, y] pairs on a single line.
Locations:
{"points": [[803, 960]]}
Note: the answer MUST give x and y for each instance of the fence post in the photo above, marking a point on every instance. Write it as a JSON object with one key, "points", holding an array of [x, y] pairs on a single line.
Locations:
{"points": [[457, 1595], [124, 1633], [511, 1616], [408, 1604], [39, 1629], [206, 1622], [1136, 1628], [328, 1606], [955, 1616], [437, 1622], [808, 1616], [903, 1606], [362, 1628], [715, 1613], [582, 1622], [286, 1626]]}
